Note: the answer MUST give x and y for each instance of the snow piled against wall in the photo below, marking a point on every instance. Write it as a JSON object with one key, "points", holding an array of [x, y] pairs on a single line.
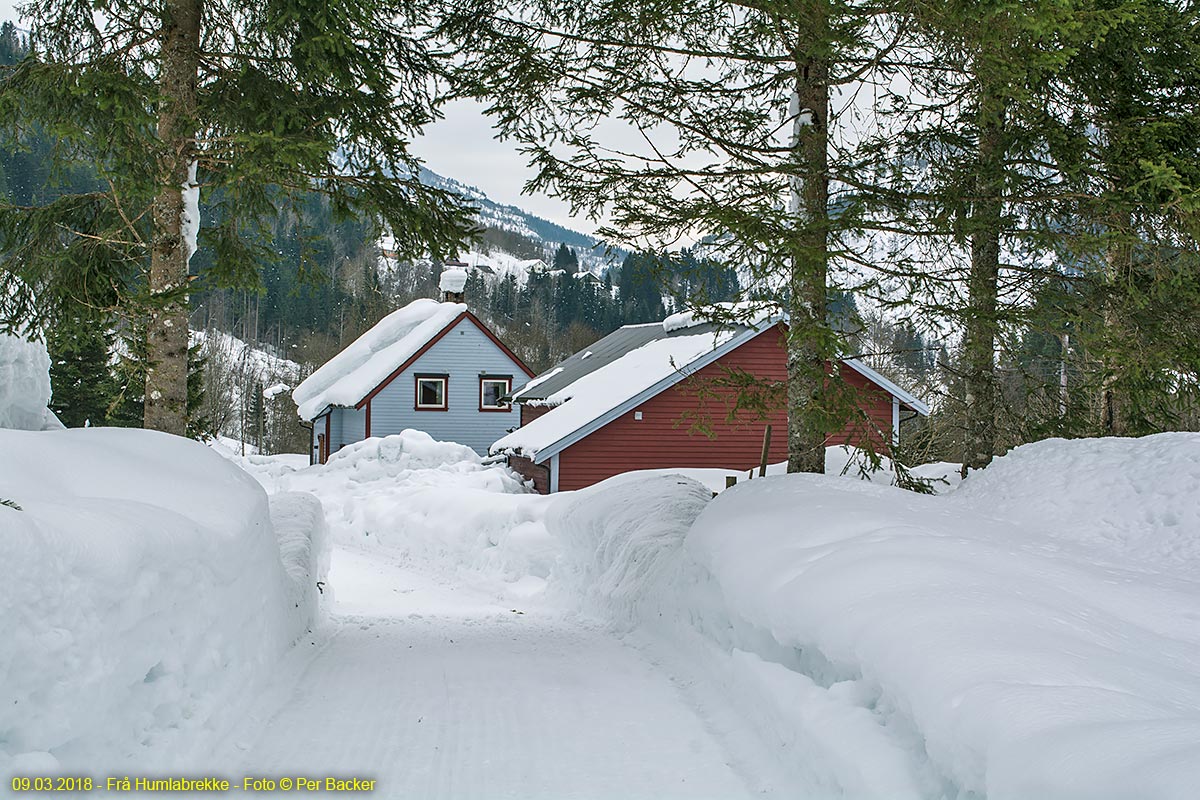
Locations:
{"points": [[143, 596], [24, 384], [430, 503], [1001, 640]]}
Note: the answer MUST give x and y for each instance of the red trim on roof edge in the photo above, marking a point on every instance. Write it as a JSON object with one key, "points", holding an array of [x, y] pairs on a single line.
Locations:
{"points": [[453, 324], [503, 347]]}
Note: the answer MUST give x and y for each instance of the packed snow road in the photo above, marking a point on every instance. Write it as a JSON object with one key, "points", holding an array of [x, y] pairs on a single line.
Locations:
{"points": [[435, 691]]}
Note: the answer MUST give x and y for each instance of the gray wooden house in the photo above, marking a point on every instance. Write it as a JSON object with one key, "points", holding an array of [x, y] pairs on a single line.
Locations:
{"points": [[429, 366]]}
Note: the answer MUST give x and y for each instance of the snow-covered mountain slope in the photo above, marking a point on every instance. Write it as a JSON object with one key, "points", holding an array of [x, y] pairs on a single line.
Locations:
{"points": [[504, 217]]}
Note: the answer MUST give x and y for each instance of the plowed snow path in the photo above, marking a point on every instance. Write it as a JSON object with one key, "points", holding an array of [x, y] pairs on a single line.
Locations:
{"points": [[436, 693]]}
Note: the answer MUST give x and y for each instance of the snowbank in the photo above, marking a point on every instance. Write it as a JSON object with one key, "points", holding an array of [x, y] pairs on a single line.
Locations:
{"points": [[999, 641], [432, 504], [840, 460], [626, 561], [620, 538], [25, 385], [1129, 500], [304, 547], [143, 597]]}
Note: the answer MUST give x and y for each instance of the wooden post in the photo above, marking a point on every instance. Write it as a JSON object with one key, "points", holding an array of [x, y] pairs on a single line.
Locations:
{"points": [[762, 465], [730, 480]]}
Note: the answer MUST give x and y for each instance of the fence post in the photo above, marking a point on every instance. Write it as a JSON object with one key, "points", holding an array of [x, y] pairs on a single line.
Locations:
{"points": [[762, 466]]}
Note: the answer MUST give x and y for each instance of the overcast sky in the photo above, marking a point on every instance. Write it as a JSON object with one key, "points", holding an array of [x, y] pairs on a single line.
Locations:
{"points": [[462, 146]]}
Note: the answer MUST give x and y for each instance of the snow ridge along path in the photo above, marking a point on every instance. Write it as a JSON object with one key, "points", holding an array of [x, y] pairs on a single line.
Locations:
{"points": [[438, 691]]}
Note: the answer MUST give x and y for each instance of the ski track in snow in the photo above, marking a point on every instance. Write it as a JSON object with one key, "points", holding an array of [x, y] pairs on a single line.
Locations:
{"points": [[436, 691]]}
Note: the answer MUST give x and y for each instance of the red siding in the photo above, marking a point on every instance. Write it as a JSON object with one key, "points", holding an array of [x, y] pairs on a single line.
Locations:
{"points": [[660, 439], [530, 413]]}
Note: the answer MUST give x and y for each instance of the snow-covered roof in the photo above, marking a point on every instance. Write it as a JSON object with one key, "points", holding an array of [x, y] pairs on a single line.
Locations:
{"points": [[350, 376], [751, 312], [634, 363], [603, 386]]}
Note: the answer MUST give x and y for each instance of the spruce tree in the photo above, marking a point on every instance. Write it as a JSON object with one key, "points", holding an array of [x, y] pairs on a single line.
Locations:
{"points": [[1140, 85], [80, 374], [254, 106], [731, 104]]}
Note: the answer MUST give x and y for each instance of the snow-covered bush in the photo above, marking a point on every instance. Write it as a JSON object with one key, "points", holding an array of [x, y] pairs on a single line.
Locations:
{"points": [[143, 596]]}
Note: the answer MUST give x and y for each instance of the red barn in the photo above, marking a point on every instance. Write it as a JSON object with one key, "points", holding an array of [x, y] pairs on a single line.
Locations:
{"points": [[634, 399]]}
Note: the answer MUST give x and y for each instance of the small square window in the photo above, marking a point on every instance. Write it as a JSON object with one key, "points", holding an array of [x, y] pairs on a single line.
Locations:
{"points": [[431, 393], [490, 392]]}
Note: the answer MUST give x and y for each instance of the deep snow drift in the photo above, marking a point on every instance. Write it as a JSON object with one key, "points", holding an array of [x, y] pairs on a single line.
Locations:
{"points": [[144, 597], [1032, 634], [433, 505], [1028, 633]]}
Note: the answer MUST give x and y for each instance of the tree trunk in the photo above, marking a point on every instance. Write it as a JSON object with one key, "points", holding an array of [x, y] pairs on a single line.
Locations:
{"points": [[808, 342], [982, 323], [167, 327], [1113, 419]]}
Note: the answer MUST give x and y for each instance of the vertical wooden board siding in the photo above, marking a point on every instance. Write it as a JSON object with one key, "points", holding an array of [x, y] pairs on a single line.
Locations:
{"points": [[465, 353], [660, 439]]}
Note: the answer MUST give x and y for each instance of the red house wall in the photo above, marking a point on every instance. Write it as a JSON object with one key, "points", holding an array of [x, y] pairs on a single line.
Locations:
{"points": [[660, 439], [530, 413]]}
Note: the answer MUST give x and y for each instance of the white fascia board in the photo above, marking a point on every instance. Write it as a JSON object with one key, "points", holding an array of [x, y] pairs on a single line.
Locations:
{"points": [[698, 364], [895, 421], [884, 383]]}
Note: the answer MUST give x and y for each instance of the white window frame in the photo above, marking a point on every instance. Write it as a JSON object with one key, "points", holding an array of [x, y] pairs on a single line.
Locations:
{"points": [[506, 380], [442, 406]]}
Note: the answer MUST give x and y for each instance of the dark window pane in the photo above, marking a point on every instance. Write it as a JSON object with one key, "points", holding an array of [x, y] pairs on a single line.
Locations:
{"points": [[431, 392], [492, 392]]}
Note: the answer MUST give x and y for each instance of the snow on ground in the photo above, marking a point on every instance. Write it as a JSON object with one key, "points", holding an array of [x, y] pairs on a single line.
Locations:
{"points": [[438, 691], [144, 597], [433, 505], [1032, 634], [840, 461]]}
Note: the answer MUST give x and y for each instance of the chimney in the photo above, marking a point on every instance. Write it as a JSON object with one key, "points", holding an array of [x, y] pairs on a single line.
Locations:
{"points": [[452, 283]]}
